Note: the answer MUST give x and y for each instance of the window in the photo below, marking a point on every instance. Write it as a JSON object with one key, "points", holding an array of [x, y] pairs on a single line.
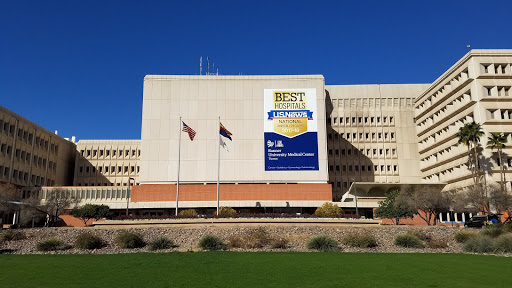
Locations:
{"points": [[344, 168], [338, 168], [330, 167]]}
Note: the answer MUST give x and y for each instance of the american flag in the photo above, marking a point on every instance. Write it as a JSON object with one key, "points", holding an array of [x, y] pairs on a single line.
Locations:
{"points": [[190, 131]]}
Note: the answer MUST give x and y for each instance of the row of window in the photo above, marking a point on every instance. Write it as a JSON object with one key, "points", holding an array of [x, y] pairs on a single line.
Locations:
{"points": [[445, 89], [363, 168], [109, 193], [497, 68], [373, 102], [361, 136], [23, 177], [107, 153], [108, 169], [27, 137], [497, 91], [347, 121], [104, 184], [369, 152], [499, 114]]}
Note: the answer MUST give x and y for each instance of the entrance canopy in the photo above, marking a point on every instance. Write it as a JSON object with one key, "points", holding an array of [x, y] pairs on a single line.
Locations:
{"points": [[369, 194]]}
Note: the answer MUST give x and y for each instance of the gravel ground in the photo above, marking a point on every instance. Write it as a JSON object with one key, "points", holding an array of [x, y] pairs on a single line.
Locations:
{"points": [[187, 239]]}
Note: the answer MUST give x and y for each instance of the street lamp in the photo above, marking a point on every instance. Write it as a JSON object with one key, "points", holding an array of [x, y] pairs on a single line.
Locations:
{"points": [[355, 195], [128, 194]]}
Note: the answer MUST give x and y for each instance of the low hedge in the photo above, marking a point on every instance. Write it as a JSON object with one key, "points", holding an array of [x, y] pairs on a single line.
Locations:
{"points": [[464, 235], [87, 241], [52, 244], [129, 240], [323, 243], [408, 241], [479, 244], [161, 243], [360, 240], [212, 243]]}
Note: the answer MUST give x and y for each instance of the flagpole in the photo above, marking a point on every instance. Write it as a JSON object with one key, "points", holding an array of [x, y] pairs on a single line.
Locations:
{"points": [[218, 171], [179, 159]]}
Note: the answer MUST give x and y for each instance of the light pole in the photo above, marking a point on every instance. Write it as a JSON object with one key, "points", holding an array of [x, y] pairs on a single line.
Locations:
{"points": [[128, 194], [355, 195]]}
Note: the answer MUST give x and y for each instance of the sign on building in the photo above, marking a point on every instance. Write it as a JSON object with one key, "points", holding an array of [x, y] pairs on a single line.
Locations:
{"points": [[290, 127]]}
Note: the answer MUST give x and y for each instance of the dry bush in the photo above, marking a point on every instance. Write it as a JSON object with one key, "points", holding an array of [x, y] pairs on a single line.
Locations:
{"points": [[189, 213], [437, 243]]}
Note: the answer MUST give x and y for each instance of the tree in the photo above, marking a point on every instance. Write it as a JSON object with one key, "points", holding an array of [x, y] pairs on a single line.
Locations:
{"points": [[328, 210], [91, 211], [427, 200], [501, 200], [10, 196], [391, 209], [471, 199], [470, 135], [53, 202], [498, 140]]}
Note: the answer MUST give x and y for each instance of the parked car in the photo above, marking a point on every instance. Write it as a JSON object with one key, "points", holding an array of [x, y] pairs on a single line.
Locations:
{"points": [[476, 221]]}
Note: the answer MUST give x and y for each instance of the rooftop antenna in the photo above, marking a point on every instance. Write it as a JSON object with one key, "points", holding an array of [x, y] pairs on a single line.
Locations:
{"points": [[469, 47], [208, 61], [201, 65]]}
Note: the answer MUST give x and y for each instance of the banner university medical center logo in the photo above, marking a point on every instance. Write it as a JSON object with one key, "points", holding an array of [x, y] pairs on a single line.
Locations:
{"points": [[290, 114], [290, 128]]}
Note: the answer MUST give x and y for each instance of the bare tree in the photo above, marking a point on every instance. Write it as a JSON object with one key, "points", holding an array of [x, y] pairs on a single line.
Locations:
{"points": [[472, 199], [501, 201], [10, 195], [53, 202], [427, 200]]}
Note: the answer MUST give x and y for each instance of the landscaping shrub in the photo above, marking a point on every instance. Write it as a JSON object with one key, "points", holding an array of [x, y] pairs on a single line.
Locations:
{"points": [[212, 243], [51, 245], [503, 243], [12, 235], [88, 241], [507, 227], [189, 213], [361, 240], [409, 241], [328, 210], [257, 238], [437, 243], [129, 240], [479, 244], [226, 211], [422, 235], [464, 235], [279, 243], [161, 243], [493, 230], [323, 243], [236, 241]]}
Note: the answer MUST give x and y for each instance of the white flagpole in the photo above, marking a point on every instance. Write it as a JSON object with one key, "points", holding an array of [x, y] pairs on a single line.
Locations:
{"points": [[179, 159], [218, 170]]}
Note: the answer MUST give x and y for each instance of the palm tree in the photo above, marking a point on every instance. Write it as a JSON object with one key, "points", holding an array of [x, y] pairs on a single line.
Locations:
{"points": [[498, 140], [475, 133], [469, 135], [463, 136]]}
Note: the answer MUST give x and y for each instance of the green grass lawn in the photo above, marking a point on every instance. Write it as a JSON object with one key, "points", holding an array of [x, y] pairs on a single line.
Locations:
{"points": [[237, 269]]}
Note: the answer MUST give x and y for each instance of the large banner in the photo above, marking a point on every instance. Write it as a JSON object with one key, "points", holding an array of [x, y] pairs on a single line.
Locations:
{"points": [[291, 141]]}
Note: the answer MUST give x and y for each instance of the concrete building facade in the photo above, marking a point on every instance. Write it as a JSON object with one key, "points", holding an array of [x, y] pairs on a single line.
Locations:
{"points": [[371, 135], [370, 138], [107, 162], [31, 155], [476, 88]]}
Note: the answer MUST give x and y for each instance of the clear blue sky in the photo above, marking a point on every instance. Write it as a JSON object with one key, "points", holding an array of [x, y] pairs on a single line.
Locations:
{"points": [[75, 66]]}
